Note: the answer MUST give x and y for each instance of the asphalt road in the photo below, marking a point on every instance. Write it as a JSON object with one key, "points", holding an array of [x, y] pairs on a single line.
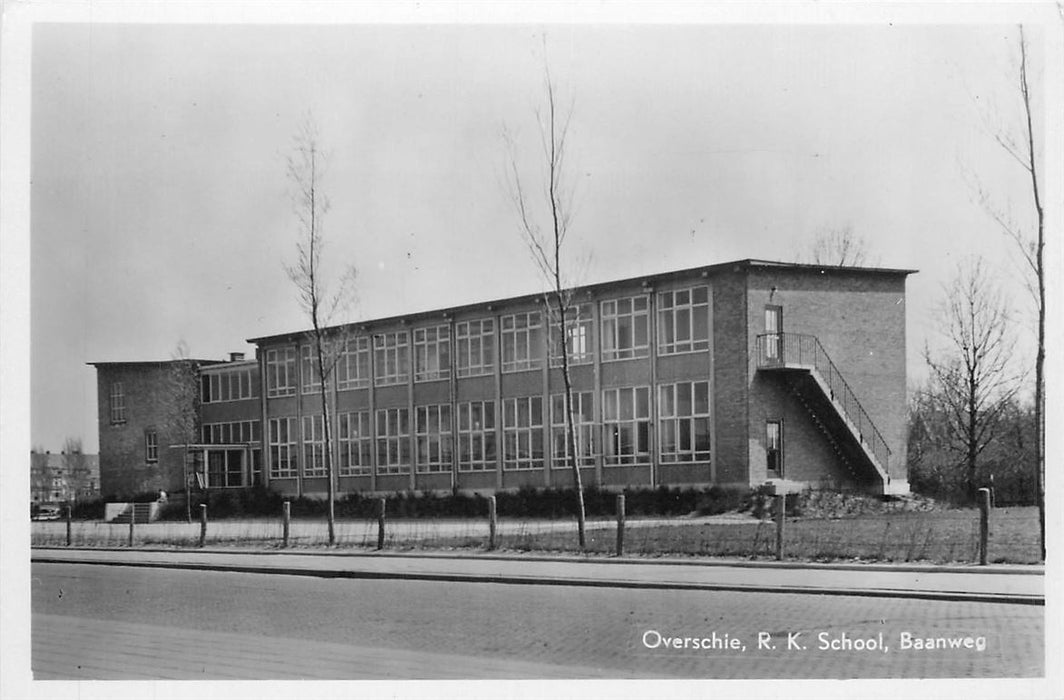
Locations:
{"points": [[105, 622]]}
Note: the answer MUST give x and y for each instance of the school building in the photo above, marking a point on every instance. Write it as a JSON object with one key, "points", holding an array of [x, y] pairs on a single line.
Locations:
{"points": [[738, 373]]}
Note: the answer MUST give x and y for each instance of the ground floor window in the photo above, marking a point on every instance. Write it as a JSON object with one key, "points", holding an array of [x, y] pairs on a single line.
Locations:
{"points": [[283, 460], [225, 468], [774, 447], [433, 430], [356, 441], [393, 441], [476, 436], [626, 425], [683, 425], [584, 424], [313, 446], [522, 433]]}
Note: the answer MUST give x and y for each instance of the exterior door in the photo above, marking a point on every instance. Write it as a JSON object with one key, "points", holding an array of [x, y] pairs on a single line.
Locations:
{"points": [[774, 448], [773, 332]]}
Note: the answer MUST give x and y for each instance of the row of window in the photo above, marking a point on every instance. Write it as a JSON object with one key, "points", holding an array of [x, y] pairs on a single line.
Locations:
{"points": [[683, 326], [230, 385], [683, 434]]}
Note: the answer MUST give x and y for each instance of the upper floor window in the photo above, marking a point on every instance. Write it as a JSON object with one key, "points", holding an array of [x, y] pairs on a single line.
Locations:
{"points": [[683, 320], [475, 347], [626, 423], [308, 368], [151, 445], [281, 372], [432, 353], [683, 422], [624, 328], [232, 385], [522, 341], [391, 354], [234, 433], [118, 403], [578, 322], [352, 366]]}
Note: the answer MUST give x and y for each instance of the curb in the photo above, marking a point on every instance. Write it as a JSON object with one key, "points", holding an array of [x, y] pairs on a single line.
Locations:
{"points": [[567, 581], [1007, 569]]}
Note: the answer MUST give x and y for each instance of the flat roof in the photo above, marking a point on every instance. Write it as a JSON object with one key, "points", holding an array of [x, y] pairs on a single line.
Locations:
{"points": [[705, 270]]}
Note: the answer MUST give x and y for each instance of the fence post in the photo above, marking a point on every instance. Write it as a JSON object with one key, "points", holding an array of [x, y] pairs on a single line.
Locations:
{"points": [[202, 524], [492, 523], [984, 524], [286, 511], [132, 519], [380, 523], [781, 512], [68, 518], [620, 525]]}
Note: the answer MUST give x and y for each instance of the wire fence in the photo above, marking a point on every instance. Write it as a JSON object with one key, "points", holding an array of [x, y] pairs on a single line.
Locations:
{"points": [[935, 536]]}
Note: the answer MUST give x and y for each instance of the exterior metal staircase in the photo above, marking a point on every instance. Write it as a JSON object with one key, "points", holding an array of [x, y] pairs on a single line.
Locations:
{"points": [[829, 400]]}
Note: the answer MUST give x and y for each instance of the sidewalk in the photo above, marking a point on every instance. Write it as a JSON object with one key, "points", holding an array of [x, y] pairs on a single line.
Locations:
{"points": [[996, 584]]}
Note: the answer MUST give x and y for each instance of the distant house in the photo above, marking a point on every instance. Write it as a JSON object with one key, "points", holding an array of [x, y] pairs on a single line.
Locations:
{"points": [[740, 373], [62, 477]]}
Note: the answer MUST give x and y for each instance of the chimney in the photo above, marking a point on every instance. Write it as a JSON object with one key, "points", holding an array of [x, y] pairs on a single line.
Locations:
{"points": [[236, 357]]}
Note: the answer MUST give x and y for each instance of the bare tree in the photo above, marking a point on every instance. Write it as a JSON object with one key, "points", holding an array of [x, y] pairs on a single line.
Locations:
{"points": [[971, 381], [182, 411], [305, 170], [545, 242], [841, 247], [1022, 146]]}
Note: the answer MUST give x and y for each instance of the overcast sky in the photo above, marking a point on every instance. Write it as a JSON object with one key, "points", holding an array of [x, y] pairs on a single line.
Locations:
{"points": [[161, 213]]}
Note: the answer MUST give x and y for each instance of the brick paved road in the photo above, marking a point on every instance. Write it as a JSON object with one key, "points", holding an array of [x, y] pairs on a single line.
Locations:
{"points": [[188, 624]]}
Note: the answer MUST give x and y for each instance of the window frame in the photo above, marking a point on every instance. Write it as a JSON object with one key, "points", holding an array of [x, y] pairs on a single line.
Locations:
{"points": [[425, 348], [281, 361], [313, 443], [395, 443], [354, 364], [398, 351], [477, 447], [520, 438], [583, 319], [117, 403], [358, 444], [672, 314], [426, 439], [584, 427], [484, 341], [309, 381], [289, 448], [640, 426], [151, 445], [610, 326], [521, 341], [671, 421]]}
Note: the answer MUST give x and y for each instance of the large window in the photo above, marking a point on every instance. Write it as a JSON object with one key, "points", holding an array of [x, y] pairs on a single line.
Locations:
{"points": [[433, 430], [118, 403], [432, 353], [283, 458], [683, 320], [234, 433], [313, 446], [391, 354], [624, 328], [151, 445], [522, 433], [225, 468], [683, 421], [352, 366], [308, 369], [475, 347], [583, 422], [578, 322], [356, 441], [626, 422], [476, 436], [522, 341], [281, 372], [393, 441], [232, 385]]}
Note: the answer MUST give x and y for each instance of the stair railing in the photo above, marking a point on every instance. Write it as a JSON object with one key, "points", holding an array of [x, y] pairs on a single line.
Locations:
{"points": [[802, 350]]}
